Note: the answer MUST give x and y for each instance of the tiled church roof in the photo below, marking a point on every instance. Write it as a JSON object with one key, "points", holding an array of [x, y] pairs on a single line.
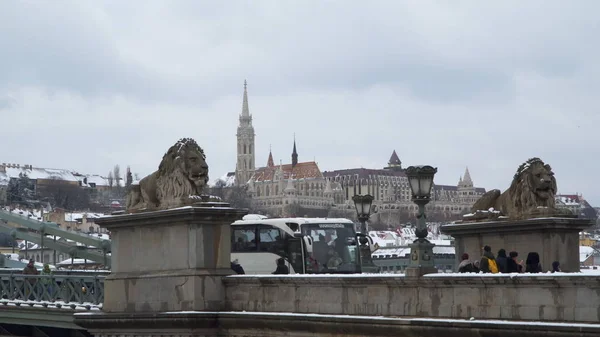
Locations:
{"points": [[306, 170]]}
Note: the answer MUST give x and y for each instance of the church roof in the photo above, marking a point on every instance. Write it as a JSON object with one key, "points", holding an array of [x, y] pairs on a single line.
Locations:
{"points": [[270, 162], [306, 170], [394, 159]]}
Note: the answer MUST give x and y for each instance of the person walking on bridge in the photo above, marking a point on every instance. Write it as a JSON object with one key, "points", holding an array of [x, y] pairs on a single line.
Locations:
{"points": [[47, 282], [30, 269]]}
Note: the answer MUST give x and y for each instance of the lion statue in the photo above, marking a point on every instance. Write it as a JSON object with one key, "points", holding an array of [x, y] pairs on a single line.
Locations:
{"points": [[532, 193], [179, 181]]}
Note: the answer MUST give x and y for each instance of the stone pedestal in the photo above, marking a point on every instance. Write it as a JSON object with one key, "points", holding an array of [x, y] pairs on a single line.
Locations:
{"points": [[421, 259], [166, 261], [555, 239]]}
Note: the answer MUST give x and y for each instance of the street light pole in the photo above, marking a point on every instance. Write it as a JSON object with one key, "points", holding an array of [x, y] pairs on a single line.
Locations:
{"points": [[363, 204], [420, 179]]}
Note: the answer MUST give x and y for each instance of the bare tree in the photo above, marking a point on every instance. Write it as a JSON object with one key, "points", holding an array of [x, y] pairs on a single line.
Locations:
{"points": [[110, 179], [238, 197], [117, 175], [218, 190], [65, 194], [129, 180]]}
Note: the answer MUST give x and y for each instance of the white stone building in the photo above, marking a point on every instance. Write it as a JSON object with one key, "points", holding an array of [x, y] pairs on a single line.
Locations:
{"points": [[273, 187]]}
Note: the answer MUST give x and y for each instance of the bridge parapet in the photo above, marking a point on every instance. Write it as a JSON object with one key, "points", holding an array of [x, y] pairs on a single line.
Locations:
{"points": [[536, 297]]}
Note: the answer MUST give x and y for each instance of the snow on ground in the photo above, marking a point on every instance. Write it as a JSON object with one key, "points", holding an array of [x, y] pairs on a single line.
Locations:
{"points": [[51, 305]]}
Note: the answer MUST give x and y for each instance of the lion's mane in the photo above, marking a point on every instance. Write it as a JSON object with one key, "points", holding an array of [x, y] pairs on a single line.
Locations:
{"points": [[172, 180], [171, 185], [522, 189]]}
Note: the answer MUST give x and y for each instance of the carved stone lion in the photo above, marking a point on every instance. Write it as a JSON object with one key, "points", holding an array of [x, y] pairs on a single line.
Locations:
{"points": [[179, 181], [532, 193]]}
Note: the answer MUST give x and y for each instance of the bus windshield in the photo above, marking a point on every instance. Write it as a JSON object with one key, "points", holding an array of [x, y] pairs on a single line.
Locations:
{"points": [[334, 248]]}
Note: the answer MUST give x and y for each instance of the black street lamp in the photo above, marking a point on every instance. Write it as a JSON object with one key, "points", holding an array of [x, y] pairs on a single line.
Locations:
{"points": [[420, 179], [363, 210], [363, 204]]}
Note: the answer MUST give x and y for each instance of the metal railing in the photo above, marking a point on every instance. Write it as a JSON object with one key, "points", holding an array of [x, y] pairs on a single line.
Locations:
{"points": [[60, 290]]}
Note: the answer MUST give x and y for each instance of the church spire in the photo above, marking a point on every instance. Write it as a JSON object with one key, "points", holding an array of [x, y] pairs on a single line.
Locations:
{"points": [[294, 154], [245, 108], [270, 162], [467, 178], [394, 163]]}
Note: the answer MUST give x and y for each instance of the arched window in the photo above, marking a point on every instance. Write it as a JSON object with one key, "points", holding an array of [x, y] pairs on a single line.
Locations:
{"points": [[250, 149], [244, 148]]}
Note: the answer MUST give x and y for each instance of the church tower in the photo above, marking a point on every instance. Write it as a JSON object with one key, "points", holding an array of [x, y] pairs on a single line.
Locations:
{"points": [[244, 168], [294, 154]]}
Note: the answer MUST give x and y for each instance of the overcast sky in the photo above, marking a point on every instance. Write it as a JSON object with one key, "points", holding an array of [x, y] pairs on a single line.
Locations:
{"points": [[86, 85]]}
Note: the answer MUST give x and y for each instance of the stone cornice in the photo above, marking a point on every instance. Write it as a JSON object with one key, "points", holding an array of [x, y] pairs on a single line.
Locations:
{"points": [[535, 225], [204, 215]]}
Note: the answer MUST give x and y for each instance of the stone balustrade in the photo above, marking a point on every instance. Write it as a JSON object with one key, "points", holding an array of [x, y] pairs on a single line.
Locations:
{"points": [[541, 297]]}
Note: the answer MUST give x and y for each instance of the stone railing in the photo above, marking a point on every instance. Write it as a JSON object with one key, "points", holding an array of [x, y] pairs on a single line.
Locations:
{"points": [[55, 290], [535, 297]]}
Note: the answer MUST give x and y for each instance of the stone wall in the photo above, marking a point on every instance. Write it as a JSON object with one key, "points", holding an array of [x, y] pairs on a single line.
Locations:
{"points": [[557, 298]]}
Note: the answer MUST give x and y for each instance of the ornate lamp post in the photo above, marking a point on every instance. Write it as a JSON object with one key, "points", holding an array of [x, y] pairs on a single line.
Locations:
{"points": [[420, 179], [363, 210], [363, 204]]}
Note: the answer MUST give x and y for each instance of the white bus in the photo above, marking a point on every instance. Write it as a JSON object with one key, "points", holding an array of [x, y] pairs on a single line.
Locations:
{"points": [[308, 245]]}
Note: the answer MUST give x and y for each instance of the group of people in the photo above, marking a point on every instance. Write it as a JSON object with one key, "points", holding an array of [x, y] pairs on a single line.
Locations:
{"points": [[503, 263], [281, 268], [30, 269]]}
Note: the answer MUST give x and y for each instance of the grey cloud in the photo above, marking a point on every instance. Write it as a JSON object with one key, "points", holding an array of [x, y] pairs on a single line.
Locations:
{"points": [[447, 83]]}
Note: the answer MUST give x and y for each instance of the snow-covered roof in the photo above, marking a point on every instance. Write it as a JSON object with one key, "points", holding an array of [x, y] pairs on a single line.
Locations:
{"points": [[13, 171], [585, 252], [75, 261], [228, 178], [90, 180], [402, 251], [73, 217], [87, 180], [568, 200], [33, 214]]}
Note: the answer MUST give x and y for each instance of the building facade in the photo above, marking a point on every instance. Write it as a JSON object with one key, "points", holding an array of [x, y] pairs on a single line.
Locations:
{"points": [[285, 189], [282, 189], [391, 192]]}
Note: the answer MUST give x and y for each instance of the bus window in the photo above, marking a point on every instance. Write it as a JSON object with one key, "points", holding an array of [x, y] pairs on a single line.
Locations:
{"points": [[271, 240], [294, 253], [293, 226], [244, 239], [334, 247]]}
